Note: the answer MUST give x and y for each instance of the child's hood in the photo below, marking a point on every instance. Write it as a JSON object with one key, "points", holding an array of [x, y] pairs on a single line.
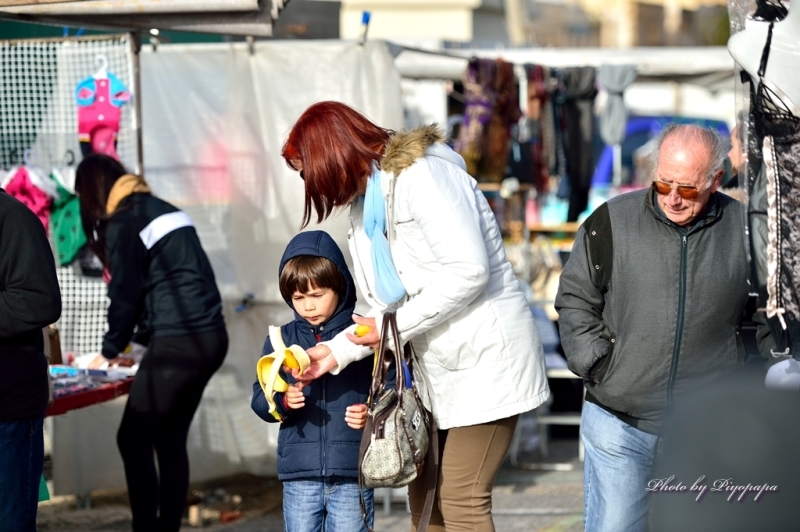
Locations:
{"points": [[320, 244]]}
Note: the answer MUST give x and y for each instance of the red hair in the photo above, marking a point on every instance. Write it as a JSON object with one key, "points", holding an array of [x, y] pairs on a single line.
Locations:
{"points": [[336, 146]]}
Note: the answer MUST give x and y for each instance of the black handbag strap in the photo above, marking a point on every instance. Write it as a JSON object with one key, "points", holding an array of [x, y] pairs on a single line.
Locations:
{"points": [[383, 360], [379, 371]]}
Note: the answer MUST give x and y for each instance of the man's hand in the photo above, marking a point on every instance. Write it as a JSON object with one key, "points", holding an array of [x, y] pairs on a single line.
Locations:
{"points": [[295, 399], [372, 338], [322, 361], [356, 416]]}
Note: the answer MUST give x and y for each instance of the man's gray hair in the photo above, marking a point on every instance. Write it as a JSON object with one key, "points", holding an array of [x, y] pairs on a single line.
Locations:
{"points": [[717, 145]]}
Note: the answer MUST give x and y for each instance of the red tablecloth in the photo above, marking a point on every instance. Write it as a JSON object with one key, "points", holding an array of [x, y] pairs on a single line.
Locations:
{"points": [[104, 393]]}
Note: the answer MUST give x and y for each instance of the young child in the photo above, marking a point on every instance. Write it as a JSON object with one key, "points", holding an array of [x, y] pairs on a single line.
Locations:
{"points": [[321, 421]]}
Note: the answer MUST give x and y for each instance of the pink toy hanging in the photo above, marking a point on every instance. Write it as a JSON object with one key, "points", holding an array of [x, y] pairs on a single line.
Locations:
{"points": [[100, 98]]}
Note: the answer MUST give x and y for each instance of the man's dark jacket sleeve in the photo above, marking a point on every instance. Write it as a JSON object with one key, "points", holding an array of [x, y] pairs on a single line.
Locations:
{"points": [[29, 294], [581, 299], [30, 299]]}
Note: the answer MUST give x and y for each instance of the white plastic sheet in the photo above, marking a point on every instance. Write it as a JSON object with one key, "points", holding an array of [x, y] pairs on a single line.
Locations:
{"points": [[215, 118]]}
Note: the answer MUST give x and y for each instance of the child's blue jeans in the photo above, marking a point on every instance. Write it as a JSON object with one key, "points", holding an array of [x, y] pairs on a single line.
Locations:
{"points": [[328, 504]]}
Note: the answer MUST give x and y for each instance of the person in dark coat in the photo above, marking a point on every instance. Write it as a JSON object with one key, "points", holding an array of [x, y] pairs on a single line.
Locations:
{"points": [[161, 285], [29, 300], [650, 308], [322, 421]]}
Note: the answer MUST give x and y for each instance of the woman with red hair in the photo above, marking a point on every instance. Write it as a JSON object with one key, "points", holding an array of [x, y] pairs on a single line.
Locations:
{"points": [[425, 244]]}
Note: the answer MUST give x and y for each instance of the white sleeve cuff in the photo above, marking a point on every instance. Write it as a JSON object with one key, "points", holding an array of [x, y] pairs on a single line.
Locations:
{"points": [[344, 351]]}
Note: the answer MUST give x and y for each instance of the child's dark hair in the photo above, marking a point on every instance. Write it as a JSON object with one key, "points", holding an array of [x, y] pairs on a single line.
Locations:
{"points": [[307, 271]]}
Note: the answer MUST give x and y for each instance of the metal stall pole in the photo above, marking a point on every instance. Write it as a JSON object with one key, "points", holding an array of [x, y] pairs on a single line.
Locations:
{"points": [[136, 47]]}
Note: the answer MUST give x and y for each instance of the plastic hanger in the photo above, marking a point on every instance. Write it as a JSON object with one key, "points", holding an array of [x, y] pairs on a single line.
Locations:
{"points": [[35, 175], [65, 174], [102, 72]]}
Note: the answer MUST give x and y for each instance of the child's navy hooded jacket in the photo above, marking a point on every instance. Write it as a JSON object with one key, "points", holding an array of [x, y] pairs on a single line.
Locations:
{"points": [[315, 441]]}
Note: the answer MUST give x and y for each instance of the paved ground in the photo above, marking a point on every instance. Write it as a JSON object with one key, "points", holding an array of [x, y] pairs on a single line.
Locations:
{"points": [[524, 500]]}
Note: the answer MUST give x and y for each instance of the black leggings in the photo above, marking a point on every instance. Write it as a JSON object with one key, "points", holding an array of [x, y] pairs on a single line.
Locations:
{"points": [[162, 403]]}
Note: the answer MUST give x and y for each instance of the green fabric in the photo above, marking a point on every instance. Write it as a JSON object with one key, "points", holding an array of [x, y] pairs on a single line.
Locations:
{"points": [[65, 218], [44, 493]]}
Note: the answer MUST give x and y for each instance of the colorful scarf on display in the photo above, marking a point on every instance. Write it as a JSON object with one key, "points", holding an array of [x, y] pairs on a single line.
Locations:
{"points": [[491, 108], [124, 187], [22, 187], [388, 286], [67, 229], [539, 111]]}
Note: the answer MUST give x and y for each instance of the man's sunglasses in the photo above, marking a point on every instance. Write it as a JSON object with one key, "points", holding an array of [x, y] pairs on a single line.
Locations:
{"points": [[688, 192]]}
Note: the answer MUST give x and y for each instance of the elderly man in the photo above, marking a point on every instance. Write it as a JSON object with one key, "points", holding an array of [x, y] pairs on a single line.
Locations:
{"points": [[29, 300], [649, 307]]}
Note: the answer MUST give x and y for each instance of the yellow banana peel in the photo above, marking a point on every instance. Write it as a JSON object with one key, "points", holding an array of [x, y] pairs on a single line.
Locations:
{"points": [[268, 366]]}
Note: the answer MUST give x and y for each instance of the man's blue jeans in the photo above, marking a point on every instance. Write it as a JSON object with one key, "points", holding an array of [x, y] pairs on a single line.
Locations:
{"points": [[618, 461], [327, 504], [21, 460]]}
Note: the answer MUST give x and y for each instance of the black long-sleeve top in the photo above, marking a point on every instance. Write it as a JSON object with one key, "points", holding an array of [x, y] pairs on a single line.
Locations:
{"points": [[159, 270]]}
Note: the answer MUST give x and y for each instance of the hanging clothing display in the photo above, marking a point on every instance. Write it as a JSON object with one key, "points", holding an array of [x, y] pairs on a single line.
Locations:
{"points": [[777, 122], [549, 149], [614, 117], [28, 188], [492, 108], [579, 95], [67, 230], [100, 98], [539, 123], [559, 164]]}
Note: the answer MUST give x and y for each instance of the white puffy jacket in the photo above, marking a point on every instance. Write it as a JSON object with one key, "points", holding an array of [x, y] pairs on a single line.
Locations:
{"points": [[480, 358]]}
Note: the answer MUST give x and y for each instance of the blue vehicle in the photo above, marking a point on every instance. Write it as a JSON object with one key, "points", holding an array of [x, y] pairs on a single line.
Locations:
{"points": [[639, 131]]}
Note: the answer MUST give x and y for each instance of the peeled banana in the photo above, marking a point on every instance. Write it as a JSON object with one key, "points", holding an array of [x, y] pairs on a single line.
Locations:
{"points": [[268, 367]]}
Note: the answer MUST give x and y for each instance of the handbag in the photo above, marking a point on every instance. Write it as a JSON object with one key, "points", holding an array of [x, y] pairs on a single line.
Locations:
{"points": [[399, 435]]}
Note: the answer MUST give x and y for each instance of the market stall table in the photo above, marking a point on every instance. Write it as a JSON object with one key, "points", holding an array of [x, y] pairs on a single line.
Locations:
{"points": [[101, 394]]}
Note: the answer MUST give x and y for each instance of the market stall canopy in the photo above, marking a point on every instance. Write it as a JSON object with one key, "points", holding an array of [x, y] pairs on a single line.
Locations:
{"points": [[4, 3], [124, 7], [708, 66], [224, 17]]}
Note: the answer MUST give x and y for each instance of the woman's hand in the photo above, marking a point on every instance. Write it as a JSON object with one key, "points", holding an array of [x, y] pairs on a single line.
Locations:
{"points": [[322, 361], [356, 416], [372, 338], [99, 361], [295, 399], [122, 361]]}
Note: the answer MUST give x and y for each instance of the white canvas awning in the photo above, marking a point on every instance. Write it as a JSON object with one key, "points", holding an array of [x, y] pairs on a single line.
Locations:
{"points": [[202, 16], [126, 7], [4, 3], [704, 66]]}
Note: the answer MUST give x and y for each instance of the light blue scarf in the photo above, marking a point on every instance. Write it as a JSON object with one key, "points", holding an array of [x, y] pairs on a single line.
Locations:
{"points": [[388, 286]]}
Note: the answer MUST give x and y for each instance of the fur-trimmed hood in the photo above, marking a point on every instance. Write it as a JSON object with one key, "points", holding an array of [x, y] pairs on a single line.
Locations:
{"points": [[406, 147]]}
